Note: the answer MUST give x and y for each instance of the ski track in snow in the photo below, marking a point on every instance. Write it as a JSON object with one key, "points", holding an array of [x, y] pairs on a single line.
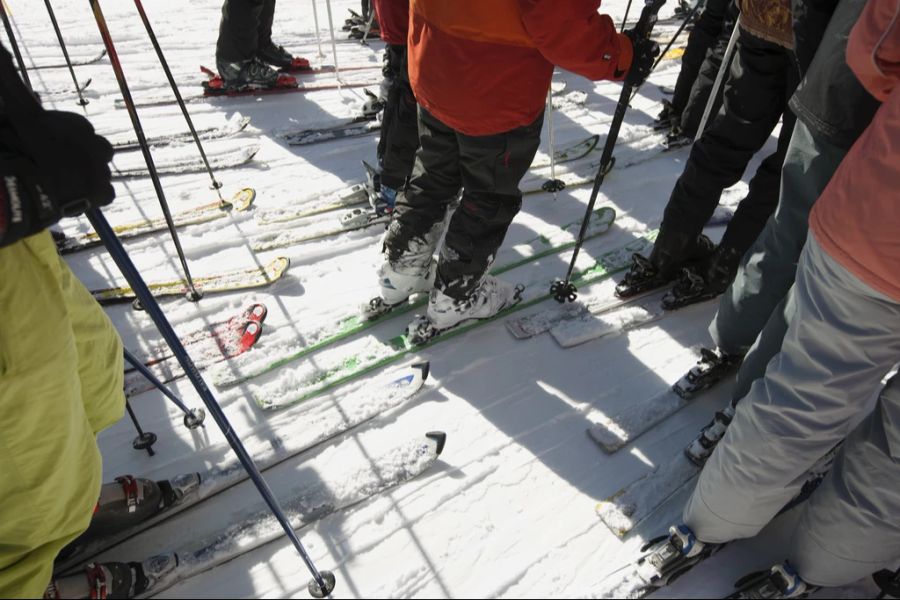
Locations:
{"points": [[508, 510]]}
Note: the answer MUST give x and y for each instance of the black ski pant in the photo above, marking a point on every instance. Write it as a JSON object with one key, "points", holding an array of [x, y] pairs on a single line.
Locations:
{"points": [[700, 64], [763, 77], [487, 169], [246, 27], [400, 125]]}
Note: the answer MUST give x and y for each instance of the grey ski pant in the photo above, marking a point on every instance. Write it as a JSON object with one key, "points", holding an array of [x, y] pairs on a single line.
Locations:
{"points": [[843, 338], [245, 27], [487, 169]]}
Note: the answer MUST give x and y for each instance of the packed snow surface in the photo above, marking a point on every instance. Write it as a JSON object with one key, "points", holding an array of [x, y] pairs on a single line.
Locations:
{"points": [[509, 508]]}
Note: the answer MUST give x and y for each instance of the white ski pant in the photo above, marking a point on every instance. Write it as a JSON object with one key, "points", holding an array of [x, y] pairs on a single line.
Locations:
{"points": [[843, 338]]}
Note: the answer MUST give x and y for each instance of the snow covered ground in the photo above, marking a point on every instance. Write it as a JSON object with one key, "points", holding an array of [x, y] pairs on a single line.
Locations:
{"points": [[508, 510]]}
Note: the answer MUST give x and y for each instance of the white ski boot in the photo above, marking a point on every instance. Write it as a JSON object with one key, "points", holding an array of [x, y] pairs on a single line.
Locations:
{"points": [[397, 285], [489, 298]]}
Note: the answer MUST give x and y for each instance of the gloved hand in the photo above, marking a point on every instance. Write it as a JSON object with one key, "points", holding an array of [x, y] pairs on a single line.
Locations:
{"points": [[644, 52], [52, 166]]}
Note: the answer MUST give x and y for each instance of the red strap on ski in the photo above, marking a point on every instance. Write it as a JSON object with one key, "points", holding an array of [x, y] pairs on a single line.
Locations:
{"points": [[97, 582], [134, 493], [252, 331]]}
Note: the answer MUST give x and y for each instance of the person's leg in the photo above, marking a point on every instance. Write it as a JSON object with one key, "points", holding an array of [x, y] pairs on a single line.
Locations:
{"points": [[844, 337], [418, 218], [701, 39], [239, 30], [849, 527], [768, 269], [48, 454], [264, 24], [400, 128], [491, 168]]}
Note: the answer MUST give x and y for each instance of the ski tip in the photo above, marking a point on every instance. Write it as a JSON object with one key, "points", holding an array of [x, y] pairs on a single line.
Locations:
{"points": [[424, 368], [439, 438], [243, 199]]}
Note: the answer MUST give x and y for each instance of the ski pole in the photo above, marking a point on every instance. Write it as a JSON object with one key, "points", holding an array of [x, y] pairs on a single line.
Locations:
{"points": [[323, 582], [668, 47], [145, 439], [193, 417], [554, 185], [337, 70], [625, 18], [720, 76], [193, 293], [187, 116], [566, 290], [15, 45], [318, 33], [62, 46]]}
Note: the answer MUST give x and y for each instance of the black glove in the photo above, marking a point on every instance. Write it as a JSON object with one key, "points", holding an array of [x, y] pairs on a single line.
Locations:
{"points": [[52, 166], [644, 52]]}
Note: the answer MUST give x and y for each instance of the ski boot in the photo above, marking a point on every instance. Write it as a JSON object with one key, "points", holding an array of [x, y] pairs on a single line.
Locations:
{"points": [[676, 138], [114, 579], [664, 121], [445, 312], [373, 105], [129, 501], [670, 253], [709, 370], [381, 197], [397, 287], [669, 557], [700, 283], [358, 32], [701, 448], [251, 74], [276, 56], [781, 581], [888, 582]]}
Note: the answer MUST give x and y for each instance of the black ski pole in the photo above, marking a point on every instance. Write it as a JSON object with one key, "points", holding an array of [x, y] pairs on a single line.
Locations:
{"points": [[187, 117], [193, 293], [62, 46], [625, 18], [15, 45], [668, 46], [145, 439], [193, 417], [566, 290], [323, 581]]}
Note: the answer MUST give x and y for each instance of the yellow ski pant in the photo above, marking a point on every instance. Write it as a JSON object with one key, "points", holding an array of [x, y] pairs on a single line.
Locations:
{"points": [[60, 384]]}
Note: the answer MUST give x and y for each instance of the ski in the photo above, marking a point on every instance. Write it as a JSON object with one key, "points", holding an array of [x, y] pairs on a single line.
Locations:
{"points": [[215, 331], [509, 259], [357, 127], [228, 281], [356, 193], [218, 343], [270, 449], [75, 63], [225, 160], [563, 321], [231, 128], [355, 220], [240, 202], [309, 504]]}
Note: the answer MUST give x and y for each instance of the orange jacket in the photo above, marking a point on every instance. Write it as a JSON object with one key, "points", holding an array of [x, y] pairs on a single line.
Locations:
{"points": [[484, 66], [857, 219]]}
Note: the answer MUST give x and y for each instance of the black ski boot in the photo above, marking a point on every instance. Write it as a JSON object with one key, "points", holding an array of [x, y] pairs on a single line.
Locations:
{"points": [[781, 581], [669, 557], [276, 56], [701, 448], [704, 282], [247, 74], [358, 31], [666, 118], [670, 254], [129, 501], [677, 138], [709, 370], [114, 579], [888, 582]]}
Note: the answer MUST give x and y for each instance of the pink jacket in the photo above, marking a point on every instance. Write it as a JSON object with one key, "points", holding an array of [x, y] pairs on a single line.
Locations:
{"points": [[857, 218]]}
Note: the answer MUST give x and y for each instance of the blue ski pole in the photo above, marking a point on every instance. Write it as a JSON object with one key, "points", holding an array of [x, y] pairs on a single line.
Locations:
{"points": [[323, 582], [193, 417]]}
